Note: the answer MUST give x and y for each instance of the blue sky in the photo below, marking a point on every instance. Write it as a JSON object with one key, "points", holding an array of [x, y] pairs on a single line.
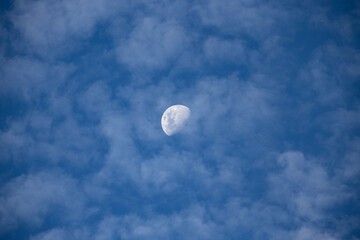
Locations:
{"points": [[272, 151]]}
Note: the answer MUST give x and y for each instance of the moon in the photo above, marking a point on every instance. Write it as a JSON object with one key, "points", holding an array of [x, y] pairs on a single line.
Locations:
{"points": [[174, 118]]}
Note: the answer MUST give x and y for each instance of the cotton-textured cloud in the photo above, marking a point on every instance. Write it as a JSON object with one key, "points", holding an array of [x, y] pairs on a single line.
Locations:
{"points": [[306, 187], [69, 20], [218, 51], [152, 44], [28, 199], [254, 18], [271, 149]]}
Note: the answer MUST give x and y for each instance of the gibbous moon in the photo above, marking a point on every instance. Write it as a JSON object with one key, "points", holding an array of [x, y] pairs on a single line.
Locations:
{"points": [[174, 119]]}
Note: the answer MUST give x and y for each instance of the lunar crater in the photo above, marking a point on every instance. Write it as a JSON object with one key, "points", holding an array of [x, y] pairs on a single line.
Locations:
{"points": [[174, 119]]}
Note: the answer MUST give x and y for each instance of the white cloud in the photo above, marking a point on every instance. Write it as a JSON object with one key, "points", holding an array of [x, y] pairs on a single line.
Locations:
{"points": [[152, 45], [62, 234], [48, 26], [310, 233], [165, 169], [109, 131], [53, 234], [305, 187], [31, 198], [50, 136], [35, 78], [253, 18], [188, 224], [219, 51]]}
